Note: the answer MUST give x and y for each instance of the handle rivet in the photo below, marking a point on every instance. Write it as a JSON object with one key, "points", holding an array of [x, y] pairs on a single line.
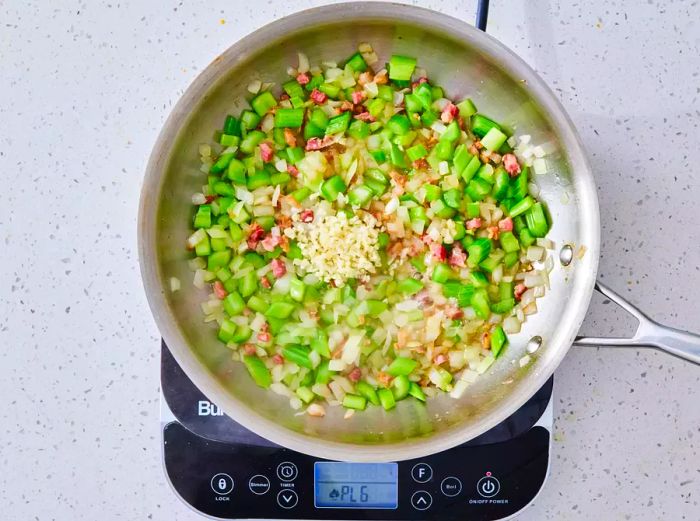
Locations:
{"points": [[534, 344], [566, 255]]}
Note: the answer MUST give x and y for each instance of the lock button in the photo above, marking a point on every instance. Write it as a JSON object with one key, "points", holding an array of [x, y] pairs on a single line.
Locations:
{"points": [[222, 484]]}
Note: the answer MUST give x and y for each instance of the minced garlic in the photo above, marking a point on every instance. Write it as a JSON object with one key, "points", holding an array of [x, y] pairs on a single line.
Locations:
{"points": [[335, 247]]}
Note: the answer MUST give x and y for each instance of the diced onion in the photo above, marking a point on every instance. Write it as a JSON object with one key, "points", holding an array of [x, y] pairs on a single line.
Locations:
{"points": [[511, 325], [303, 62], [254, 86]]}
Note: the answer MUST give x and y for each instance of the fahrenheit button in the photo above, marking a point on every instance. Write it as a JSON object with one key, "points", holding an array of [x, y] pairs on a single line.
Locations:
{"points": [[421, 472]]}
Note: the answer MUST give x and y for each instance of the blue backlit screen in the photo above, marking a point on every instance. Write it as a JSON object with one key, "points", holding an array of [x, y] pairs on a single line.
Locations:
{"points": [[355, 485]]}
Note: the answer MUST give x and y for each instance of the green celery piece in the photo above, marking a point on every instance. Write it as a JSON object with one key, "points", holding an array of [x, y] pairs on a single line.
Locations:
{"points": [[442, 273], [263, 102], [280, 310], [521, 206], [221, 163], [353, 401], [400, 387], [537, 220], [493, 139], [478, 251], [386, 397], [509, 242], [202, 218], [226, 330], [498, 341], [338, 124], [451, 133], [410, 286], [481, 125], [401, 67], [399, 124], [480, 304], [297, 354], [357, 62], [332, 187], [320, 344], [402, 366], [258, 371], [466, 108], [471, 169], [305, 394], [416, 391], [232, 126], [289, 118], [369, 392]]}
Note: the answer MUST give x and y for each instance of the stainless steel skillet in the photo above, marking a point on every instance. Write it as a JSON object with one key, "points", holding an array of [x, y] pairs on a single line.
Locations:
{"points": [[466, 62]]}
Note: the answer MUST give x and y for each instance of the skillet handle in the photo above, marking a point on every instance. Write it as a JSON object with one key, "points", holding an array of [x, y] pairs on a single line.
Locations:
{"points": [[649, 333]]}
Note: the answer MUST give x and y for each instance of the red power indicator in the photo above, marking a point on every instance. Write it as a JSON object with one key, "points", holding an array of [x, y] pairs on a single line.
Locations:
{"points": [[488, 474]]}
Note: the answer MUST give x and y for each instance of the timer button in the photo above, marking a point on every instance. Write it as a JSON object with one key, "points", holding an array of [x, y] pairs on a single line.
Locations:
{"points": [[488, 486], [451, 486], [287, 498], [421, 500], [287, 471], [222, 484], [421, 472]]}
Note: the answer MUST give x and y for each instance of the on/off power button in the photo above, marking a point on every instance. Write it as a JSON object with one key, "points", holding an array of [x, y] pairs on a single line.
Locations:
{"points": [[488, 486]]}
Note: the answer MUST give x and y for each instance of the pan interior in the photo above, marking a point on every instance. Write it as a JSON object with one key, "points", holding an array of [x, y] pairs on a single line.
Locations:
{"points": [[467, 64]]}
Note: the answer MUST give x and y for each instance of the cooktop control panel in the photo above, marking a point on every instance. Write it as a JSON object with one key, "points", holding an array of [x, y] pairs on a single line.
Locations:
{"points": [[225, 471], [247, 482]]}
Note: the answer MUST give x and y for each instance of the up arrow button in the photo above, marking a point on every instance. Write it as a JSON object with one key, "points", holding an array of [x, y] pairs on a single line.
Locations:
{"points": [[421, 500]]}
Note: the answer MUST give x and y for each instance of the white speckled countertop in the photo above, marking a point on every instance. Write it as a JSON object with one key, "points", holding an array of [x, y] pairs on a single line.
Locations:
{"points": [[84, 89]]}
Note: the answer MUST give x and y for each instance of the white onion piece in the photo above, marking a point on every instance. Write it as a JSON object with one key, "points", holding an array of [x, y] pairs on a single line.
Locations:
{"points": [[533, 279], [351, 349], [199, 199], [254, 86], [198, 280], [535, 253], [303, 62], [531, 308], [197, 263], [257, 322], [497, 273], [281, 389], [511, 325], [539, 166], [337, 390], [458, 390], [545, 243], [337, 365], [527, 297]]}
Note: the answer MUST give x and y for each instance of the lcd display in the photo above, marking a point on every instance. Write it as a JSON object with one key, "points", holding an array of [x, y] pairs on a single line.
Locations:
{"points": [[355, 485]]}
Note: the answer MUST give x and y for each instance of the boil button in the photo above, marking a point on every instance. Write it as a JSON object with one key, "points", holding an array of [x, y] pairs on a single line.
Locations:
{"points": [[451, 486]]}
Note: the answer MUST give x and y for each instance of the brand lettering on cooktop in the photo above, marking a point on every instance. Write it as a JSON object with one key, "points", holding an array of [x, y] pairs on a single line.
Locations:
{"points": [[206, 408]]}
